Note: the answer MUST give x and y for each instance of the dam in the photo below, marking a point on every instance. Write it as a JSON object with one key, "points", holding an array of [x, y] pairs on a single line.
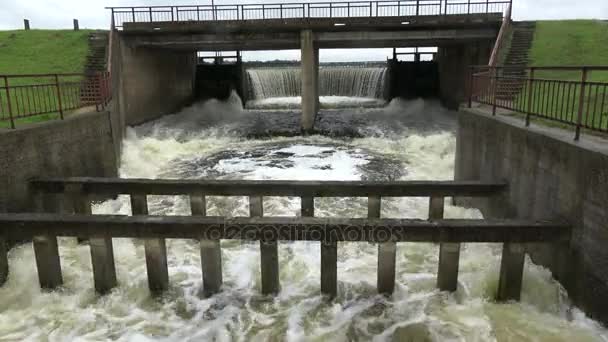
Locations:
{"points": [[308, 200]]}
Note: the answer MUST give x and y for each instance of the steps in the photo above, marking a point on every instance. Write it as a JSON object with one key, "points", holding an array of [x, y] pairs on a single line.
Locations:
{"points": [[517, 60], [97, 57]]}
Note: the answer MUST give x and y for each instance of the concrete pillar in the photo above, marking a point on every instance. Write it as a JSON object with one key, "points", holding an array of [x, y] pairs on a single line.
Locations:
{"points": [[155, 250], [76, 25], [102, 258], [511, 272], [47, 261], [329, 268], [449, 253], [211, 253], [316, 83], [386, 252], [46, 250], [3, 261], [269, 252], [309, 79], [101, 248], [308, 206], [26, 24]]}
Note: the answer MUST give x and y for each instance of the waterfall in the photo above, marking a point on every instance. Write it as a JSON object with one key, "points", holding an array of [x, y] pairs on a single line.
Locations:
{"points": [[348, 81]]}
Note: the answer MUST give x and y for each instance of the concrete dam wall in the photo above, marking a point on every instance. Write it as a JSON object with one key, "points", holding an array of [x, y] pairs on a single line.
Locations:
{"points": [[550, 177]]}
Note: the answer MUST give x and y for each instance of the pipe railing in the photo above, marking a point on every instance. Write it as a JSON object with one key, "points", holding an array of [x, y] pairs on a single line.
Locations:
{"points": [[23, 96], [351, 9], [563, 94]]}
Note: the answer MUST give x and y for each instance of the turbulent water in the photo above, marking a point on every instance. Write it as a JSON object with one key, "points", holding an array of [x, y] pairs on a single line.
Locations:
{"points": [[406, 140], [339, 86]]}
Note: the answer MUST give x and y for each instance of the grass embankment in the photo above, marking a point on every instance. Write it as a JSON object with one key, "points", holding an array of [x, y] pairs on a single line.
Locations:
{"points": [[572, 43], [39, 52]]}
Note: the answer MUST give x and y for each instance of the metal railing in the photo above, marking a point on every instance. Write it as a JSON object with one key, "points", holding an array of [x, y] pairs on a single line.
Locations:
{"points": [[71, 197], [23, 96], [351, 9], [568, 95]]}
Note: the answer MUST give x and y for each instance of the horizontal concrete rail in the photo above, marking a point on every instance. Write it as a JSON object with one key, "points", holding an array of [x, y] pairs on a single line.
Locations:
{"points": [[115, 186], [44, 229], [17, 226]]}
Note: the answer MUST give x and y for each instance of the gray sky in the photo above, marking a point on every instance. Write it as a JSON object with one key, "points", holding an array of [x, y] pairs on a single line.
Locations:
{"points": [[53, 14]]}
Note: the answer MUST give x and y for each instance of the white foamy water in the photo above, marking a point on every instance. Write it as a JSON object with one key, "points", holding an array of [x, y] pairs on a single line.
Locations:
{"points": [[328, 102], [186, 146]]}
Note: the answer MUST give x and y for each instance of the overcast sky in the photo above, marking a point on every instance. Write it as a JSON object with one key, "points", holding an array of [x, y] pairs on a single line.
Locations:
{"points": [[53, 14]]}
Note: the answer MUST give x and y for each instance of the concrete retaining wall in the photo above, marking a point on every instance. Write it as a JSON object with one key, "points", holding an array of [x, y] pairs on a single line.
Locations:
{"points": [[550, 177], [151, 82], [81, 145]]}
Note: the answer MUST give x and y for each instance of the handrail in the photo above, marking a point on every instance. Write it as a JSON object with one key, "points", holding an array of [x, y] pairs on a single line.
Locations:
{"points": [[306, 10], [578, 101]]}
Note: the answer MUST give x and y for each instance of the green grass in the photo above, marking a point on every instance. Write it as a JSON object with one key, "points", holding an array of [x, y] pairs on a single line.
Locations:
{"points": [[39, 52], [572, 43], [43, 51]]}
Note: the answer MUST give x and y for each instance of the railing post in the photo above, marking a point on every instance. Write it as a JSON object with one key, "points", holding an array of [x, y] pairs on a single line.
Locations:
{"points": [[211, 252], [281, 10], [417, 7], [269, 252], [387, 252], [59, 96], [308, 206], [348, 9], [471, 80], [530, 93], [511, 272], [8, 102], [172, 14], [133, 13], [177, 13], [581, 104], [155, 250], [330, 10], [150, 11], [329, 267], [101, 248], [370, 9], [449, 253], [468, 6], [112, 21], [46, 250], [487, 6], [494, 89]]}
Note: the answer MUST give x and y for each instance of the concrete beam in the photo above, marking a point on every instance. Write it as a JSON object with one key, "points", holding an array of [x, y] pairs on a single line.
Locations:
{"points": [[20, 226], [324, 40], [116, 186]]}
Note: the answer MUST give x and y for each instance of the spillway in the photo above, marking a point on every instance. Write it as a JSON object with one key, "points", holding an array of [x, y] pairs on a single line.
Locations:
{"points": [[339, 86], [404, 141]]}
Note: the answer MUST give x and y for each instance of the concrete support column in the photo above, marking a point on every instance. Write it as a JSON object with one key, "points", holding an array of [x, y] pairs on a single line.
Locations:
{"points": [[511, 272], [316, 83], [309, 80], [211, 253]]}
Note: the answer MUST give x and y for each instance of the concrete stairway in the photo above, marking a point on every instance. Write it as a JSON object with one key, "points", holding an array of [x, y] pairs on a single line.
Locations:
{"points": [[97, 57], [517, 60]]}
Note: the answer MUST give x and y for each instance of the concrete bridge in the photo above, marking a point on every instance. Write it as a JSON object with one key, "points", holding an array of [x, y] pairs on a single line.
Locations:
{"points": [[158, 44]]}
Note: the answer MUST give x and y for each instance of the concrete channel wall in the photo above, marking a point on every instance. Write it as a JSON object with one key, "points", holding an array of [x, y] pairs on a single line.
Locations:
{"points": [[550, 177], [150, 82], [81, 145]]}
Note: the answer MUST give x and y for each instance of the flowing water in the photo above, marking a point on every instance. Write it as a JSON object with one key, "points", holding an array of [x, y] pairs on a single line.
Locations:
{"points": [[339, 86], [405, 140]]}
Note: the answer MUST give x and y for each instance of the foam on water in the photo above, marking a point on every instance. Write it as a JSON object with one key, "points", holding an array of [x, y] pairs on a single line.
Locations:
{"points": [[200, 143]]}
